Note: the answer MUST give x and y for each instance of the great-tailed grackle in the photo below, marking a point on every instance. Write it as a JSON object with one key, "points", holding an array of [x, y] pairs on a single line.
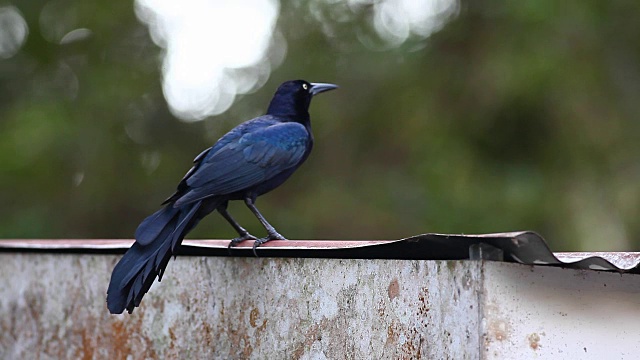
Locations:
{"points": [[252, 159]]}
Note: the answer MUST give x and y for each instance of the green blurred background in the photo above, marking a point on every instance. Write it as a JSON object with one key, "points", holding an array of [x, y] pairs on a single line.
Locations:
{"points": [[482, 116]]}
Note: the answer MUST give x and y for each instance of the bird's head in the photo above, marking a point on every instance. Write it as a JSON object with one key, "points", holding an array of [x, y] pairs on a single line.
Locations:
{"points": [[293, 97]]}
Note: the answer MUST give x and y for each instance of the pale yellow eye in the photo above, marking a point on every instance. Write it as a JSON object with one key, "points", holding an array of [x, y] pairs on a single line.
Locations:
{"points": [[305, 86]]}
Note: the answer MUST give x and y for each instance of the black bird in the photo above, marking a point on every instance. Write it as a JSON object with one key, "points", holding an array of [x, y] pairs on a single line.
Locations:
{"points": [[252, 159]]}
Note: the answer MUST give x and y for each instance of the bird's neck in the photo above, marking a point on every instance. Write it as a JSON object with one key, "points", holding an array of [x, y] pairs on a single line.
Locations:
{"points": [[296, 110], [302, 119]]}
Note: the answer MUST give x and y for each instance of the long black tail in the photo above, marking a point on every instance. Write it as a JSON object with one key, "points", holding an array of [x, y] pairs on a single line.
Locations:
{"points": [[156, 240]]}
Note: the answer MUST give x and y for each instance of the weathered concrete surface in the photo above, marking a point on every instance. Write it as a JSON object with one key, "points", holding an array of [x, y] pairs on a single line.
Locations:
{"points": [[52, 307], [550, 313]]}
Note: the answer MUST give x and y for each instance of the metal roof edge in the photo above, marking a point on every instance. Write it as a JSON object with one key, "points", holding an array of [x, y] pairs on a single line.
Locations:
{"points": [[524, 247]]}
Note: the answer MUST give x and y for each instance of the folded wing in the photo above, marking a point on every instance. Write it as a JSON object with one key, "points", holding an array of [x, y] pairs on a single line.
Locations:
{"points": [[253, 158]]}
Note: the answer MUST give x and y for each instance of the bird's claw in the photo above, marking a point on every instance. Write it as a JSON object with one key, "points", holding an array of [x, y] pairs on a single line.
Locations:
{"points": [[240, 239], [258, 242]]}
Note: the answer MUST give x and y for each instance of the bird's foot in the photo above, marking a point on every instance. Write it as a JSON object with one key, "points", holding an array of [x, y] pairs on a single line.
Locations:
{"points": [[272, 236], [241, 238]]}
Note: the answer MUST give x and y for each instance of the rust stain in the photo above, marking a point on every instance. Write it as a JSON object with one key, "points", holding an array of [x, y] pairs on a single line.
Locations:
{"points": [[310, 336], [394, 289], [392, 336], [423, 305], [498, 327], [253, 317], [87, 348], [246, 353], [239, 340], [381, 307], [498, 330], [534, 341], [207, 333], [126, 338], [120, 337], [412, 349], [172, 336], [240, 337]]}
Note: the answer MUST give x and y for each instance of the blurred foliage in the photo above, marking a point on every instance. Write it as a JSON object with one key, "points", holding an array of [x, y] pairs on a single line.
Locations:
{"points": [[515, 115]]}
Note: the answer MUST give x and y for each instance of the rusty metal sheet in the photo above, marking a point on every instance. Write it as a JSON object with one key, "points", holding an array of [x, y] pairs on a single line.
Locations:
{"points": [[523, 247]]}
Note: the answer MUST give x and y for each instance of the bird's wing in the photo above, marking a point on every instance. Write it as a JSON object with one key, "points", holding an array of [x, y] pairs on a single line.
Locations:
{"points": [[255, 157], [182, 186]]}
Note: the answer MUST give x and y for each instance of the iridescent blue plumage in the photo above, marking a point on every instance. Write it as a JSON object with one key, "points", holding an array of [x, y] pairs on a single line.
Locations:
{"points": [[252, 159], [267, 148]]}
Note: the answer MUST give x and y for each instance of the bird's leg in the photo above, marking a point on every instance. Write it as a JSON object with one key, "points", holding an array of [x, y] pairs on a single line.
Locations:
{"points": [[273, 234], [243, 234]]}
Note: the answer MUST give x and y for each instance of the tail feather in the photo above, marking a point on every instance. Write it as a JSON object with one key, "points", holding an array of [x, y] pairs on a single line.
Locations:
{"points": [[151, 227], [156, 240], [143, 257]]}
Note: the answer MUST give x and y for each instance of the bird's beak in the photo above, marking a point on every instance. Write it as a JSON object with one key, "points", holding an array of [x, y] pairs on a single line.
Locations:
{"points": [[317, 88]]}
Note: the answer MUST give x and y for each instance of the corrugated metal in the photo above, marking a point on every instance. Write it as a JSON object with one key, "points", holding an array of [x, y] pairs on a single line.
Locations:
{"points": [[524, 247]]}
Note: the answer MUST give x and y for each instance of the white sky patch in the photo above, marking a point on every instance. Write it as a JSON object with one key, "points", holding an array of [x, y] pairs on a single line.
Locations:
{"points": [[204, 42]]}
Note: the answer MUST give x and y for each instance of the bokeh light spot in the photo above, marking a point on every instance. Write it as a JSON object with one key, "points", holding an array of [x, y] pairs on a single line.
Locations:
{"points": [[205, 42], [14, 31]]}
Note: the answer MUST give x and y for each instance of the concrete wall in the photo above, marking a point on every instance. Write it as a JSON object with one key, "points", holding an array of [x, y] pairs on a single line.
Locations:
{"points": [[52, 307]]}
